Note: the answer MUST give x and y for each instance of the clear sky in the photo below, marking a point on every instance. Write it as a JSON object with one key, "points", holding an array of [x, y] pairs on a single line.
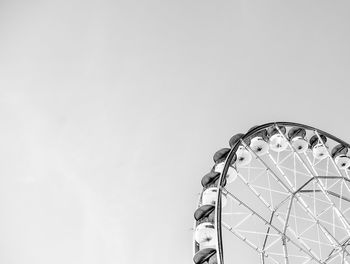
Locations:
{"points": [[110, 112]]}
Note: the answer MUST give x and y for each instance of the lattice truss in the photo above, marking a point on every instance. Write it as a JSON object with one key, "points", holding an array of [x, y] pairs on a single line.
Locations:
{"points": [[290, 208]]}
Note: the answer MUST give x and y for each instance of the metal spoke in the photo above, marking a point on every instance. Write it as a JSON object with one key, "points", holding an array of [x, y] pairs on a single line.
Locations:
{"points": [[291, 189], [276, 229]]}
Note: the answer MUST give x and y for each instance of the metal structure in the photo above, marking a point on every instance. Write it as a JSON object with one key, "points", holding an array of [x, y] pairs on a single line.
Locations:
{"points": [[283, 189]]}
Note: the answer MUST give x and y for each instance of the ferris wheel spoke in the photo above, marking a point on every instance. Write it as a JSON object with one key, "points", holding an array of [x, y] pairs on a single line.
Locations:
{"points": [[284, 186], [241, 237], [314, 175], [307, 251], [339, 252], [315, 220], [288, 189], [250, 243], [327, 194], [341, 216], [292, 189]]}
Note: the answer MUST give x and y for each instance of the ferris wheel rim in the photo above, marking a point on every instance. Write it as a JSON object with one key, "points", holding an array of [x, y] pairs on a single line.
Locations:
{"points": [[228, 160]]}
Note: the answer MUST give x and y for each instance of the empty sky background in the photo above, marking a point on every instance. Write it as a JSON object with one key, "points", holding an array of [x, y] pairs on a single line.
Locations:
{"points": [[110, 112]]}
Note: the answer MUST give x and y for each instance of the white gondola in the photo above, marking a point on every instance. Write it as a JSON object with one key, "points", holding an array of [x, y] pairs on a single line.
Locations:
{"points": [[299, 144], [342, 161], [259, 146], [243, 157], [209, 197], [231, 175], [205, 235], [278, 143], [319, 151]]}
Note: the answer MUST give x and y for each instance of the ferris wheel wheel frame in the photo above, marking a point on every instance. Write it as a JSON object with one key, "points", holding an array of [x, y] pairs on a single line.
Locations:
{"points": [[240, 140]]}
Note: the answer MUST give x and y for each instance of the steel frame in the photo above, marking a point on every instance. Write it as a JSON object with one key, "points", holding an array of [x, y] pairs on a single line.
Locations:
{"points": [[294, 197]]}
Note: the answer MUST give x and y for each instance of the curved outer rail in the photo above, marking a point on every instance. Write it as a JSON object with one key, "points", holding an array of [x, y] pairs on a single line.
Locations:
{"points": [[229, 158]]}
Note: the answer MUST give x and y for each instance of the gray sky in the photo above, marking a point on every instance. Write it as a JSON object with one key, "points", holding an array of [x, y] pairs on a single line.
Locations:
{"points": [[111, 110]]}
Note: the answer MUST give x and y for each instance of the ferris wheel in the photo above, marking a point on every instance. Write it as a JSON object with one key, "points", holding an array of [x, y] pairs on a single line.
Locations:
{"points": [[283, 189]]}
